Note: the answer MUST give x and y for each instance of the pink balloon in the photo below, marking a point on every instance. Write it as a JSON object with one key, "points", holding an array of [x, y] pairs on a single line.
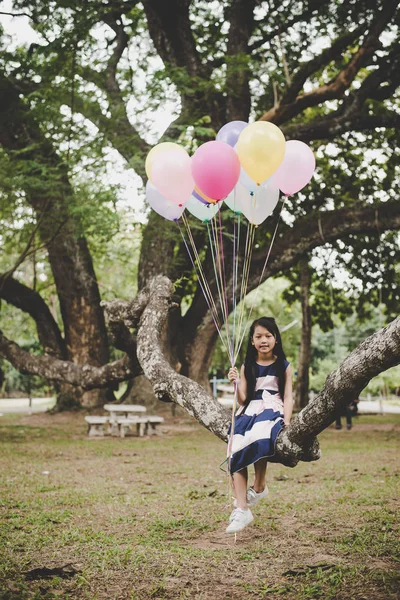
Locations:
{"points": [[296, 169], [171, 174], [215, 169]]}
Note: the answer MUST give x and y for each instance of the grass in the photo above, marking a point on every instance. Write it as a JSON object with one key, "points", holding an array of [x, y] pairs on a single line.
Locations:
{"points": [[145, 518]]}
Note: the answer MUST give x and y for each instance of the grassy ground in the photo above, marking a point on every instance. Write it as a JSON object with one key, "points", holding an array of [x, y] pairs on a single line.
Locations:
{"points": [[145, 518]]}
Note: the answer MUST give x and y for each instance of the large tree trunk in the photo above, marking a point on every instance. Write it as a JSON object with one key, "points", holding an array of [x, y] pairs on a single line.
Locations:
{"points": [[303, 370], [84, 326]]}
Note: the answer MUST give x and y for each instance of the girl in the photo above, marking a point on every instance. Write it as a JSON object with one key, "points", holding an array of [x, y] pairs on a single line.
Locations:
{"points": [[264, 392]]}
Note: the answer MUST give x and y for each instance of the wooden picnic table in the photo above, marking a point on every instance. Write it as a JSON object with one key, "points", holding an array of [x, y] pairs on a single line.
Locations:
{"points": [[121, 410]]}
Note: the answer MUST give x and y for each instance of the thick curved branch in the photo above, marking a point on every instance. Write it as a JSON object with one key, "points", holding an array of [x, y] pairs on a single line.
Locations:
{"points": [[310, 232], [307, 233], [376, 354], [165, 381], [121, 316], [31, 302], [324, 58], [87, 377]]}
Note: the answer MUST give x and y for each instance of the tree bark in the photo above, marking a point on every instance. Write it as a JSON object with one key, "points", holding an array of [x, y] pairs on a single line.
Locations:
{"points": [[303, 369], [71, 263]]}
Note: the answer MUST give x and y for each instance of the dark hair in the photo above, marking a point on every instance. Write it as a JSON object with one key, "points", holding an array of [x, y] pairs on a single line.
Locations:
{"points": [[250, 367]]}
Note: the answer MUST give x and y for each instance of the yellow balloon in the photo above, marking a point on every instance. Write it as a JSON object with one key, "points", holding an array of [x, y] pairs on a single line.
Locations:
{"points": [[163, 147], [261, 148]]}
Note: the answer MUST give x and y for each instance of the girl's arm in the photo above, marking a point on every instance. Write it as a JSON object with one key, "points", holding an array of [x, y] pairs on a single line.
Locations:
{"points": [[288, 396], [241, 381]]}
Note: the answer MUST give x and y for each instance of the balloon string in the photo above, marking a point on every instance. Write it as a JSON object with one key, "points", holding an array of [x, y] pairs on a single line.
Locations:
{"points": [[217, 269], [245, 280], [236, 279], [219, 277], [203, 284], [213, 256], [205, 288], [230, 441], [201, 274], [235, 256], [262, 275], [225, 288], [244, 262]]}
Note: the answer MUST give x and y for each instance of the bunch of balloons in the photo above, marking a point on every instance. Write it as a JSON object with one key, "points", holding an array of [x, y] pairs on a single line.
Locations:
{"points": [[246, 166]]}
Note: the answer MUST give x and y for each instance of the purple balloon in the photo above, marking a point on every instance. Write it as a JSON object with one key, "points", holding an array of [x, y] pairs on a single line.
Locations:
{"points": [[230, 132], [161, 205], [197, 195]]}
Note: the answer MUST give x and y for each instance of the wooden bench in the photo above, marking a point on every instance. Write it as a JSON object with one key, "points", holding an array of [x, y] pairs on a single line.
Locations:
{"points": [[96, 425]]}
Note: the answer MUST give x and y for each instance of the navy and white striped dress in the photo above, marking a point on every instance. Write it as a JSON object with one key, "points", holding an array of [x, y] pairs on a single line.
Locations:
{"points": [[257, 428]]}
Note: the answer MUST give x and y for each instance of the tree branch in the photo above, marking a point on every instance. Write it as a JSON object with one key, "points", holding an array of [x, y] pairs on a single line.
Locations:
{"points": [[304, 16], [311, 231], [324, 58], [332, 127], [376, 354], [165, 381], [31, 302], [16, 14], [290, 245], [121, 315], [337, 87], [86, 377]]}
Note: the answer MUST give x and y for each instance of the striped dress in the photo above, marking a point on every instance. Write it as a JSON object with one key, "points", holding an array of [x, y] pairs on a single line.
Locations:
{"points": [[257, 428]]}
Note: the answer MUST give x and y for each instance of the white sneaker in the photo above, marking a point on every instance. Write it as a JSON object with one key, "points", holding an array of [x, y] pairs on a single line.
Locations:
{"points": [[239, 519], [254, 497]]}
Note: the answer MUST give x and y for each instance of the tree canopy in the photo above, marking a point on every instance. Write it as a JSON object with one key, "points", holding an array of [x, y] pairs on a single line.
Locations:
{"points": [[326, 72]]}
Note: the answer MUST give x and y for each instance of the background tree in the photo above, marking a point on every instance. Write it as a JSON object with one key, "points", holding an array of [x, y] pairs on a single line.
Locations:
{"points": [[326, 73]]}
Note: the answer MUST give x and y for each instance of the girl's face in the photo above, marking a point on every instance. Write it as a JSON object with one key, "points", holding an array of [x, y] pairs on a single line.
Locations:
{"points": [[263, 341]]}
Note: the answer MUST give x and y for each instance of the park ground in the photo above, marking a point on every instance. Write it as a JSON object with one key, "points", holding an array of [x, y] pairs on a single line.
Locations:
{"points": [[145, 518]]}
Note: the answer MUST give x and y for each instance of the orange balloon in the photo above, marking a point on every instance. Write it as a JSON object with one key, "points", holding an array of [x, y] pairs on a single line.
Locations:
{"points": [[203, 195]]}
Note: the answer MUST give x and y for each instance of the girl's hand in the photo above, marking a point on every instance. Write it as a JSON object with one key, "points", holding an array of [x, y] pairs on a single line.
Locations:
{"points": [[233, 374]]}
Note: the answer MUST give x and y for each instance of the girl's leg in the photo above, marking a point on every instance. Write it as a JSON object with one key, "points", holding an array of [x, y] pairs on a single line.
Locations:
{"points": [[260, 473], [240, 487]]}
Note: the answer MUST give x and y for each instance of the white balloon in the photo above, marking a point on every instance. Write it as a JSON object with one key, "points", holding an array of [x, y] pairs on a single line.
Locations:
{"points": [[161, 205], [204, 212], [260, 205], [238, 199]]}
